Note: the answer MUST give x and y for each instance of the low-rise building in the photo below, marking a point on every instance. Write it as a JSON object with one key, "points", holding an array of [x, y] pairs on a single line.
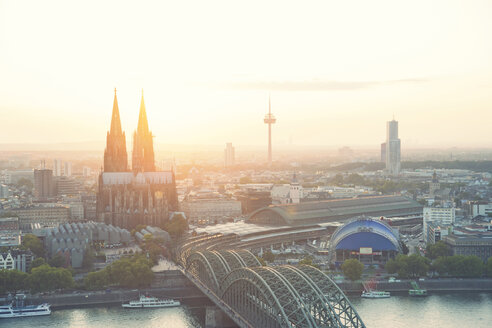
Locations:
{"points": [[16, 260], [436, 231], [210, 208], [479, 244], [484, 209], [45, 214]]}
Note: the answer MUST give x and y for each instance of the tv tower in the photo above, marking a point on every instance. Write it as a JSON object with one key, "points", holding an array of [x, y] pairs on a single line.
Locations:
{"points": [[269, 119]]}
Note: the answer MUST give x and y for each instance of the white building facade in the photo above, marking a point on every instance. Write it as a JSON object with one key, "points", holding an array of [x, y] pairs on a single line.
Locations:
{"points": [[439, 215]]}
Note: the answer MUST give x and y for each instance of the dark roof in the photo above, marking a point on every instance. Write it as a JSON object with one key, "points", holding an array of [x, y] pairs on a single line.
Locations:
{"points": [[334, 210]]}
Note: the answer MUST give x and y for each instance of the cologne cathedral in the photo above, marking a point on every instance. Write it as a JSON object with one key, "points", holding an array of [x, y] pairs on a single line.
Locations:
{"points": [[142, 195]]}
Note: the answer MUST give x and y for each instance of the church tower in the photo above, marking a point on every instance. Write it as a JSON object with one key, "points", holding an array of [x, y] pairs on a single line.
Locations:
{"points": [[143, 145], [115, 157]]}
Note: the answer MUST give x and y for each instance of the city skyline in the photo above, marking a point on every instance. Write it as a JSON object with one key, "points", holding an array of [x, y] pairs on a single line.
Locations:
{"points": [[209, 91]]}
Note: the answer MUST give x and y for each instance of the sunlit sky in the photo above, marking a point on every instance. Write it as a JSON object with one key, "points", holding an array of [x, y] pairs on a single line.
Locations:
{"points": [[336, 71]]}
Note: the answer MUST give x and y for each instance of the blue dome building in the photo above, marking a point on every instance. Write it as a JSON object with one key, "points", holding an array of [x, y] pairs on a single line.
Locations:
{"points": [[370, 241]]}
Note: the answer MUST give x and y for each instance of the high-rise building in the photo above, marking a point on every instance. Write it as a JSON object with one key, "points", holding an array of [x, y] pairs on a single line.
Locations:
{"points": [[143, 145], [383, 152], [392, 148], [57, 167], [44, 187], [115, 158], [67, 169], [269, 119], [229, 155], [144, 196]]}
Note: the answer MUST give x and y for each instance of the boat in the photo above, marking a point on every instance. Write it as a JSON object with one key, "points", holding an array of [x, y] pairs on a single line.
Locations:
{"points": [[416, 290], [375, 294], [18, 309], [150, 302]]}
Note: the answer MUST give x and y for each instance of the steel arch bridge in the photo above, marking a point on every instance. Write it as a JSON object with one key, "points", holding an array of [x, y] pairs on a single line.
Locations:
{"points": [[281, 296]]}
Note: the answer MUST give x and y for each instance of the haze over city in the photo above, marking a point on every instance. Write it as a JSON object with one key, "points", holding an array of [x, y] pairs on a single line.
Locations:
{"points": [[335, 71], [256, 164]]}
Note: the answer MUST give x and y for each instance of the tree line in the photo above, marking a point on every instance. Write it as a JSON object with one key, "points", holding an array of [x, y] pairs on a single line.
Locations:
{"points": [[41, 279], [134, 271]]}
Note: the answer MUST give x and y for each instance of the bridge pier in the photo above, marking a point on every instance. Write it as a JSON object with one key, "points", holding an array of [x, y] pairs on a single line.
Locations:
{"points": [[216, 318]]}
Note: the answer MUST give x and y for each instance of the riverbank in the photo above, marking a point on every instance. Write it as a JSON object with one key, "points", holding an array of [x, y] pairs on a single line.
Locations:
{"points": [[187, 295], [432, 285]]}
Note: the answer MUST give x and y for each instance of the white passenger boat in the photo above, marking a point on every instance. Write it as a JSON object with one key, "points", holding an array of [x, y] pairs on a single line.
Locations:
{"points": [[18, 309], [375, 294], [150, 302]]}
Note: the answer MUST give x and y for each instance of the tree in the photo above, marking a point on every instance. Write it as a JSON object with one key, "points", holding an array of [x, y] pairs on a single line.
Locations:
{"points": [[12, 281], [89, 258], [32, 243], [404, 248], [57, 261], [131, 272], [488, 267], [405, 266], [438, 249], [392, 266], [245, 180], [96, 280], [268, 256], [24, 182], [46, 278], [459, 266], [337, 179], [38, 261], [139, 227], [262, 261], [417, 266], [177, 226], [352, 269]]}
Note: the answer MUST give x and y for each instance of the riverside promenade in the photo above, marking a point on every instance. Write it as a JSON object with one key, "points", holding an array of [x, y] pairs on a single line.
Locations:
{"points": [[432, 285], [167, 284]]}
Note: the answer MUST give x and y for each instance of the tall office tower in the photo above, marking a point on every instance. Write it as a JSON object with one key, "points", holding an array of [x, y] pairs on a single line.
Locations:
{"points": [[229, 155], [383, 152], [57, 167], [115, 158], [269, 119], [44, 187], [143, 145], [392, 148], [67, 170]]}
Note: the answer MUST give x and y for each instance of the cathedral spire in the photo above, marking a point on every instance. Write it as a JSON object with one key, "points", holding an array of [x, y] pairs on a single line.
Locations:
{"points": [[143, 146], [115, 118], [143, 125], [115, 157]]}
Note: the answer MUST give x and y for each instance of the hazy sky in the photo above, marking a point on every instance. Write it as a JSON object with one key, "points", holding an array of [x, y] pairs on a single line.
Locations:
{"points": [[336, 70]]}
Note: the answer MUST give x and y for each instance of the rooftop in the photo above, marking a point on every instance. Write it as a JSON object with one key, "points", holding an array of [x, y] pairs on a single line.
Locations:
{"points": [[335, 210]]}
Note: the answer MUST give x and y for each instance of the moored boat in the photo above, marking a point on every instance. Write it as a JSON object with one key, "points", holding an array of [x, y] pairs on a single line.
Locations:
{"points": [[150, 302], [18, 309], [375, 294]]}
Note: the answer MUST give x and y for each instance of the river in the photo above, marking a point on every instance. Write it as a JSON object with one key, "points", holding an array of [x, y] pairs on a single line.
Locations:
{"points": [[457, 310]]}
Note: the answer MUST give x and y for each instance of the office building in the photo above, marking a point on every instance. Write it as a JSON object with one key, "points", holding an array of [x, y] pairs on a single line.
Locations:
{"points": [[393, 146], [438, 215], [67, 169], [57, 167], [229, 156], [44, 188]]}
